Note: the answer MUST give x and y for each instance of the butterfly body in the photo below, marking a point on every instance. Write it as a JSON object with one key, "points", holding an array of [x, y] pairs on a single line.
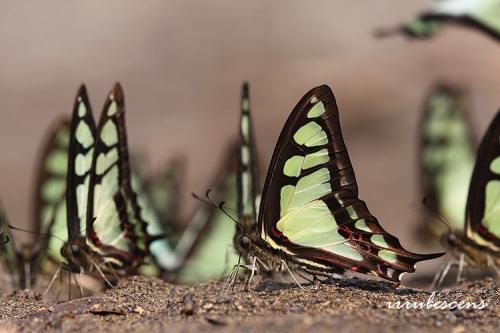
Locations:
{"points": [[474, 254], [310, 217]]}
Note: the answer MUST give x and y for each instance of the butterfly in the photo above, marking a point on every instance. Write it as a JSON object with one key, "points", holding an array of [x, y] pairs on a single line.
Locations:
{"points": [[205, 245], [310, 217], [106, 229], [482, 14], [478, 242], [447, 155], [33, 258]]}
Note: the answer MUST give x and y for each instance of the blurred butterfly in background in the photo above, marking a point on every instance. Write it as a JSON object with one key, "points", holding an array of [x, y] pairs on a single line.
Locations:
{"points": [[206, 244], [481, 14], [310, 217], [477, 244], [446, 155], [25, 263]]}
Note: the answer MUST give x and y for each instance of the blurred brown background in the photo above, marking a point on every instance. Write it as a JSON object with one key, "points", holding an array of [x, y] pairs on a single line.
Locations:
{"points": [[181, 64]]}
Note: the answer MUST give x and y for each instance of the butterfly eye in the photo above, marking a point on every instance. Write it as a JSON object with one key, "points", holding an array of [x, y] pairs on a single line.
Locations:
{"points": [[452, 238], [245, 242], [75, 248]]}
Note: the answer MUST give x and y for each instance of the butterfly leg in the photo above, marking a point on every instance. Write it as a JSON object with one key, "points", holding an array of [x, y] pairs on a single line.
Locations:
{"points": [[231, 278], [460, 267], [102, 274], [441, 274], [291, 274], [81, 281], [69, 285], [52, 280], [254, 263]]}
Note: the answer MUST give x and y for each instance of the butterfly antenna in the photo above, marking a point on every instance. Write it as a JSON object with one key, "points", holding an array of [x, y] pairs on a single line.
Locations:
{"points": [[35, 232], [223, 209], [212, 202], [437, 216], [202, 200]]}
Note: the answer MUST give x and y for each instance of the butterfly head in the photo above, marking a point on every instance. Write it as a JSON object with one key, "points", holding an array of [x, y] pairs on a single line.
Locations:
{"points": [[244, 242], [74, 251]]}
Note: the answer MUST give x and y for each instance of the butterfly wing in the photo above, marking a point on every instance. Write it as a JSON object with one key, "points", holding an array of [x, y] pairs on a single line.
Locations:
{"points": [[447, 156], [80, 156], [310, 208], [114, 222], [483, 206], [247, 177], [161, 250], [484, 14], [50, 194]]}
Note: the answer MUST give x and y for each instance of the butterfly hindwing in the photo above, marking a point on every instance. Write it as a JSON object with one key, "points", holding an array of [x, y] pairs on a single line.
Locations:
{"points": [[310, 207], [483, 205]]}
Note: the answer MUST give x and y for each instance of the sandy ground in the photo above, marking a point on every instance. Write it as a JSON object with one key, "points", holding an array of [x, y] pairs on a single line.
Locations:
{"points": [[150, 305]]}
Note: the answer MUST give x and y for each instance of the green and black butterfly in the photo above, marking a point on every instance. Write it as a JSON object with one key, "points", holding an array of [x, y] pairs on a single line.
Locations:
{"points": [[477, 244], [205, 247], [106, 230], [482, 14], [26, 263], [447, 155], [310, 217]]}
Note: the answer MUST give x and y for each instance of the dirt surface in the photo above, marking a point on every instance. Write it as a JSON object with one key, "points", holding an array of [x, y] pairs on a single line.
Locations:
{"points": [[150, 305]]}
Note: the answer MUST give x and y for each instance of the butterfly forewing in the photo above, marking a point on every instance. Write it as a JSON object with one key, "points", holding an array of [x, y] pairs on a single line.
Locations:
{"points": [[113, 215], [80, 156], [483, 205], [247, 167], [310, 207]]}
